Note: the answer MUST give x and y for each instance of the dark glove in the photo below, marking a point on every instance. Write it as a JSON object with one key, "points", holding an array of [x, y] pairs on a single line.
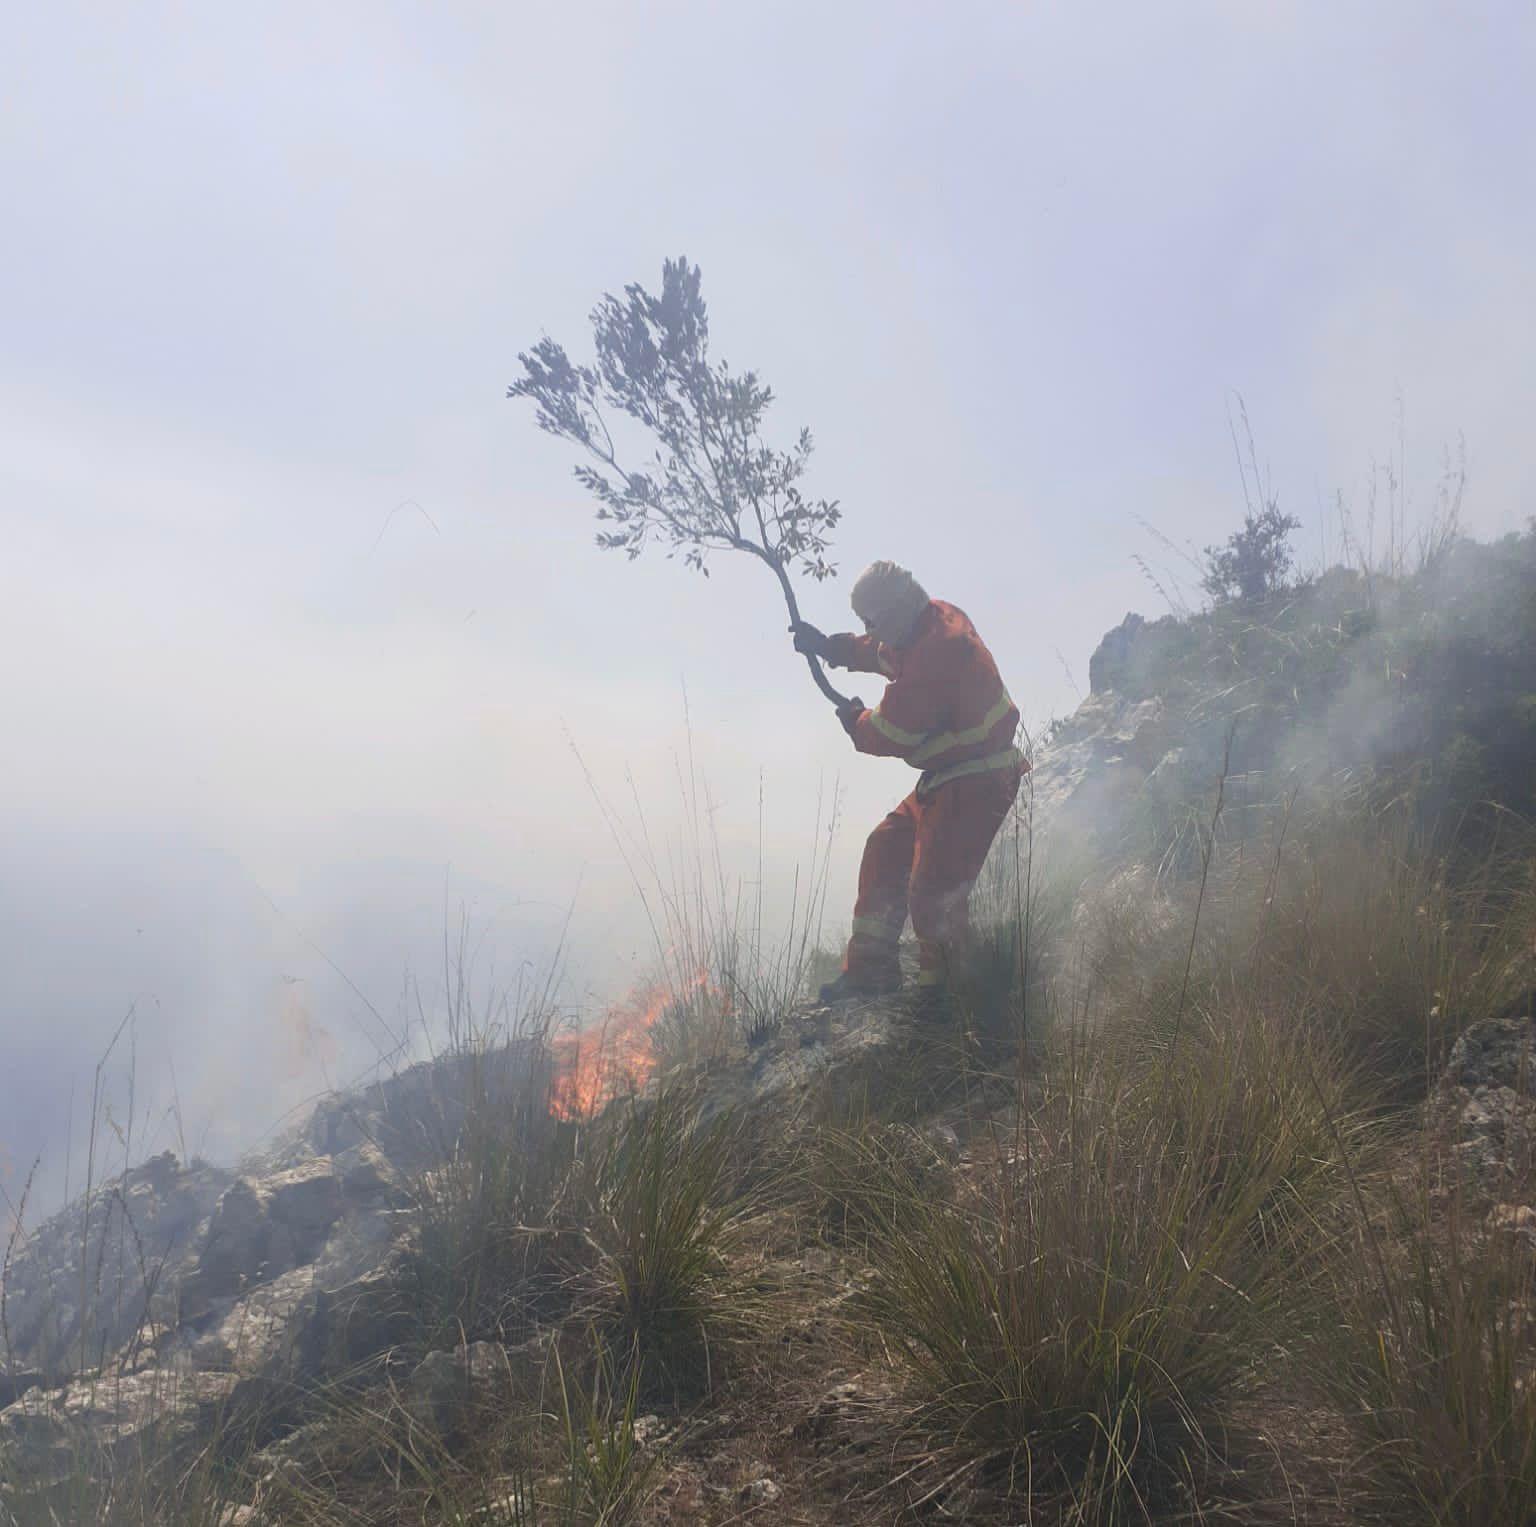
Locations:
{"points": [[809, 640], [849, 714]]}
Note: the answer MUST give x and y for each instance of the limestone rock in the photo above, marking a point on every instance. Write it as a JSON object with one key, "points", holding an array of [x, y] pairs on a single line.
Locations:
{"points": [[1495, 1053], [366, 1173], [306, 1201], [1095, 764], [1486, 1099], [243, 1247], [44, 1434], [446, 1387], [14, 1384], [160, 1209], [1515, 1220], [355, 1322], [839, 1414], [944, 1139], [249, 1335], [1111, 660], [759, 1492], [1512, 1217]]}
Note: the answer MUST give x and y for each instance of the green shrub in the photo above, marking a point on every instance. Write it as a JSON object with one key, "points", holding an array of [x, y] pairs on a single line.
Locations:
{"points": [[1255, 561]]}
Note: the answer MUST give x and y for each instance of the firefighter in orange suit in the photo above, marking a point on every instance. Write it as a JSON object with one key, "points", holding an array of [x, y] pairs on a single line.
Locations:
{"points": [[945, 712]]}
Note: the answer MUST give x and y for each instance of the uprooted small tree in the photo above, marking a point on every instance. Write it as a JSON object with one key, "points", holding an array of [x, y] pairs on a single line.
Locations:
{"points": [[710, 481]]}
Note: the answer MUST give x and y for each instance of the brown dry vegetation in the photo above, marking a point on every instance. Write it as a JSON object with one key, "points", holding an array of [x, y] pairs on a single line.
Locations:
{"points": [[1196, 1253], [1177, 1221]]}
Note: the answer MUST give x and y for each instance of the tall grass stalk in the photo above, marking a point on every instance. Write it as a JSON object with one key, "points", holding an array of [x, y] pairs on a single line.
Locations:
{"points": [[729, 974], [491, 1234], [608, 1474], [1205, 870]]}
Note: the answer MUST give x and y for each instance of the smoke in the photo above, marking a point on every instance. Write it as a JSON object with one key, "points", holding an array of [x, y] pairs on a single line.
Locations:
{"points": [[253, 982], [264, 734], [223, 995]]}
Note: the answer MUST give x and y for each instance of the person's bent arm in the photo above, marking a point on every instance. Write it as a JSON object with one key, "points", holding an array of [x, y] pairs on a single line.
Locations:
{"points": [[858, 654], [910, 711]]}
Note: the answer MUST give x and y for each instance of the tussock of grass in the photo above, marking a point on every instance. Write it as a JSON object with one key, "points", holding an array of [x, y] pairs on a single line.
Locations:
{"points": [[494, 1235], [608, 1473], [1382, 934], [1431, 1356], [849, 1181], [662, 1221], [1252, 1091], [1079, 1316]]}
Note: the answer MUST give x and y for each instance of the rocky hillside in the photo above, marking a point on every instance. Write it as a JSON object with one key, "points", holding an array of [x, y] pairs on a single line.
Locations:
{"points": [[182, 1294], [1425, 685], [791, 1285], [251, 1287]]}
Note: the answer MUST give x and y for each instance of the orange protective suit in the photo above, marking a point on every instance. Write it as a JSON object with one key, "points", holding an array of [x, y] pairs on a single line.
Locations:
{"points": [[945, 711]]}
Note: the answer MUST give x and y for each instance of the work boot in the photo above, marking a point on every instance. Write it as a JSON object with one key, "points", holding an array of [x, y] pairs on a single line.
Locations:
{"points": [[930, 1006], [849, 988]]}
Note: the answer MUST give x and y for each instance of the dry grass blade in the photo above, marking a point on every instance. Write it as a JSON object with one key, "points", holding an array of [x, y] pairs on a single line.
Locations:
{"points": [[1431, 1359], [662, 1221]]}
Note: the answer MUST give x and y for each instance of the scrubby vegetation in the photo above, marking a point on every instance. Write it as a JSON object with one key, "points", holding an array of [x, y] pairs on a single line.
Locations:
{"points": [[1422, 685], [1184, 1218]]}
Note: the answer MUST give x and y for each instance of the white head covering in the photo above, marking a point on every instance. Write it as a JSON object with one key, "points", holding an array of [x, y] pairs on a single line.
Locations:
{"points": [[889, 600]]}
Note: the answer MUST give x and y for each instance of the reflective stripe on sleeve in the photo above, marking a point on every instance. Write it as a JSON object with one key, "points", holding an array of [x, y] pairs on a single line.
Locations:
{"points": [[966, 739], [893, 733]]}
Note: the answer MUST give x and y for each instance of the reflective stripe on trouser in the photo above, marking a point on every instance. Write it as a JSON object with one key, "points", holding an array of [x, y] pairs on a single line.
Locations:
{"points": [[925, 856]]}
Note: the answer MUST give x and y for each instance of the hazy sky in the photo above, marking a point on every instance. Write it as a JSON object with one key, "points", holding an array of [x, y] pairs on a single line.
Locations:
{"points": [[264, 275]]}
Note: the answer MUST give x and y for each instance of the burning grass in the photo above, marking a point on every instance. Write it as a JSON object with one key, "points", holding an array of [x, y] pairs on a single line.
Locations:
{"points": [[619, 1056]]}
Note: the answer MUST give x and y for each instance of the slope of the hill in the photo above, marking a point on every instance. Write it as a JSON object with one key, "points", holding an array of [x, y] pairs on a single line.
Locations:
{"points": [[1424, 685], [766, 1294]]}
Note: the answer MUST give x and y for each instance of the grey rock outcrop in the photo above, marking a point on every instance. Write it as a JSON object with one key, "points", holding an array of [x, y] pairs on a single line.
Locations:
{"points": [[1488, 1097], [261, 1229], [1500, 1052], [445, 1388], [95, 1279], [44, 1434], [1095, 765], [199, 1280]]}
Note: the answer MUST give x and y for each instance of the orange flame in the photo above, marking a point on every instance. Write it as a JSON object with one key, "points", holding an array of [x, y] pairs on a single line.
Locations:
{"points": [[305, 1043], [616, 1057]]}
